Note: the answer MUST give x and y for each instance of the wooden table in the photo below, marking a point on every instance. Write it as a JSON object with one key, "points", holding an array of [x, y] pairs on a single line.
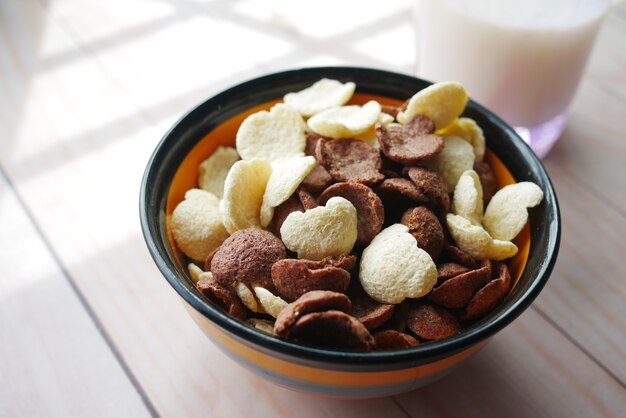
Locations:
{"points": [[88, 327]]}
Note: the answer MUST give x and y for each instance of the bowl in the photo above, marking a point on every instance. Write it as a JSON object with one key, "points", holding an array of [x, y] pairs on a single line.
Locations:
{"points": [[172, 169]]}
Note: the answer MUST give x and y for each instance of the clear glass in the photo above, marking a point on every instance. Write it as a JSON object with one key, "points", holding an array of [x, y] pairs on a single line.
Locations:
{"points": [[522, 59]]}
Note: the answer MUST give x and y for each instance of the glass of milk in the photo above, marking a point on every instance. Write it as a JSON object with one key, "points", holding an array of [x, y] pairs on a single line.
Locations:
{"points": [[521, 59]]}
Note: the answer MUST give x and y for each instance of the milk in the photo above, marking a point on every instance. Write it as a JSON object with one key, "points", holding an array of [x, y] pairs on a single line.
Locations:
{"points": [[521, 59]]}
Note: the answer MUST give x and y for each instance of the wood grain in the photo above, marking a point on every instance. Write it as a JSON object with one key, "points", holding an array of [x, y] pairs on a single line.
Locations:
{"points": [[53, 359], [508, 378]]}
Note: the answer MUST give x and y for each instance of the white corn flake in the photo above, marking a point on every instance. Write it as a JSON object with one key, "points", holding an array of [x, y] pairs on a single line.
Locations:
{"points": [[345, 121], [243, 194], [287, 174], [456, 157], [441, 102], [322, 95], [474, 240], [194, 272], [272, 304], [262, 325], [329, 230], [393, 267], [272, 135], [197, 225], [468, 197], [469, 130], [212, 172], [369, 136], [507, 213], [247, 297]]}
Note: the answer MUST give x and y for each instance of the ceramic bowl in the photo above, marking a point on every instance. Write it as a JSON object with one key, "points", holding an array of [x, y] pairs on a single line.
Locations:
{"points": [[172, 170]]}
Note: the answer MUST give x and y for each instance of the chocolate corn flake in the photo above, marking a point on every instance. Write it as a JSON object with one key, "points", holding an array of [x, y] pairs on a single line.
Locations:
{"points": [[247, 256], [223, 296], [370, 312], [350, 160], [432, 322], [293, 278], [487, 180], [412, 143], [426, 229], [332, 329], [313, 301], [389, 339], [432, 185], [491, 295], [458, 291], [447, 271]]}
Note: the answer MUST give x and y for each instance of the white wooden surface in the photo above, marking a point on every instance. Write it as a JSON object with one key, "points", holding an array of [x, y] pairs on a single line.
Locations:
{"points": [[88, 327]]}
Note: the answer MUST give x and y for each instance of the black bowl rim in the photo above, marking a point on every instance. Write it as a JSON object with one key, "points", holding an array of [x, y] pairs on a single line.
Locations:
{"points": [[421, 354]]}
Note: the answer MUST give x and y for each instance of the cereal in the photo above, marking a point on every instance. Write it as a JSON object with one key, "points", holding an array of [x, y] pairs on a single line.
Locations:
{"points": [[456, 157], [371, 313], [426, 229], [390, 169], [283, 210], [457, 255], [412, 143], [286, 176], [389, 339], [507, 213], [197, 225], [271, 135], [345, 121], [327, 192], [271, 304], [477, 242], [369, 208], [350, 160], [322, 95], [458, 291], [447, 271], [441, 102], [400, 188], [432, 322], [390, 110], [300, 201], [293, 278], [208, 259], [370, 136], [244, 189], [394, 268], [212, 172], [490, 296], [247, 257], [307, 201], [433, 186], [317, 180], [469, 130], [262, 325], [468, 198], [222, 296], [487, 180], [313, 301], [247, 297], [332, 329], [194, 272], [346, 262], [323, 231]]}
